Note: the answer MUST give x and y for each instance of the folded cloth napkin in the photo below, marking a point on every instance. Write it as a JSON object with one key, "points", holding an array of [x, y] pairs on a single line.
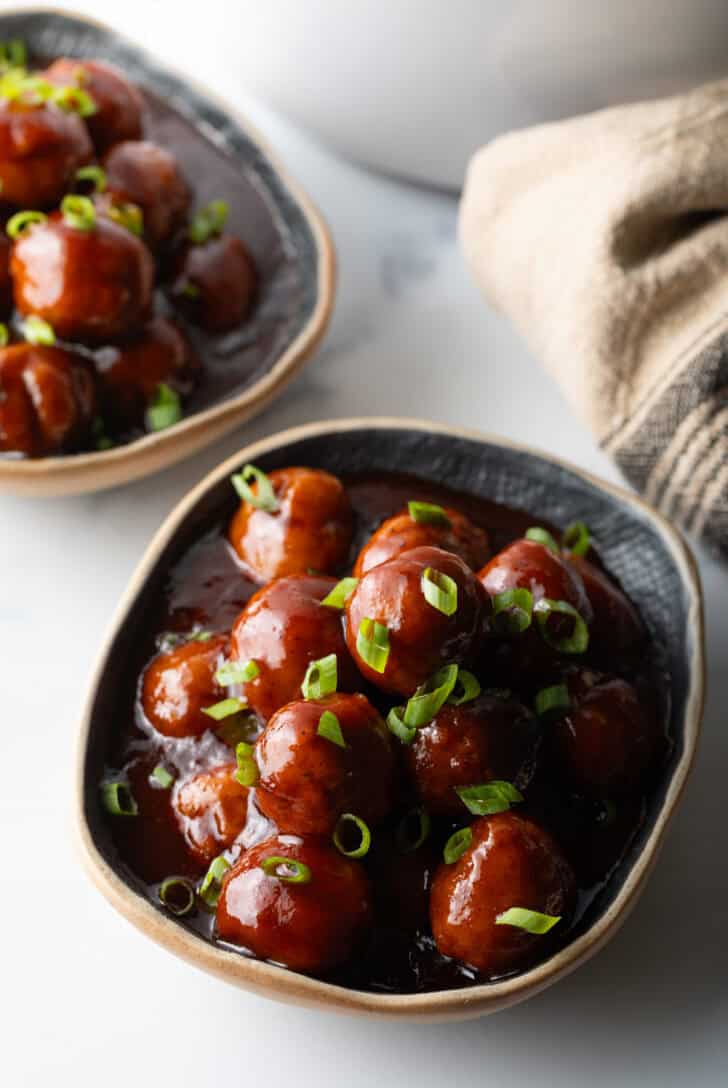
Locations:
{"points": [[605, 240]]}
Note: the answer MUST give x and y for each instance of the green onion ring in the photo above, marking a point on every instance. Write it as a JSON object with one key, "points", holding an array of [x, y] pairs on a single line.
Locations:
{"points": [[294, 871], [467, 688], [162, 777], [78, 212], [542, 536], [236, 672], [208, 222], [575, 643], [430, 697], [321, 678], [513, 610], [209, 890], [118, 799], [95, 174], [576, 538], [552, 700], [396, 725], [372, 644], [348, 819], [19, 222], [165, 408], [456, 845], [440, 591], [264, 497], [4, 334], [224, 709], [173, 885], [37, 331], [129, 216], [407, 844]]}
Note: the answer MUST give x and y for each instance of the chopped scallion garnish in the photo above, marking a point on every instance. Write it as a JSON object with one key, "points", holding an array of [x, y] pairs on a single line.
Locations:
{"points": [[93, 174], [577, 641], [247, 772], [4, 334], [440, 591], [78, 212], [489, 798], [542, 536], [346, 822], [576, 538], [512, 611], [428, 513], [321, 678], [552, 700], [118, 799], [329, 727], [263, 497], [19, 222], [165, 408], [209, 221], [37, 331], [417, 820], [423, 706], [161, 777], [128, 216], [236, 672], [397, 726], [530, 920], [372, 644], [457, 844], [177, 894], [288, 870], [225, 708], [209, 890], [467, 688], [341, 592]]}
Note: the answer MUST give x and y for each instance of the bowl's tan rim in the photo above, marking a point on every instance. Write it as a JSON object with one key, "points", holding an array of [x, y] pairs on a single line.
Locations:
{"points": [[277, 982], [84, 472]]}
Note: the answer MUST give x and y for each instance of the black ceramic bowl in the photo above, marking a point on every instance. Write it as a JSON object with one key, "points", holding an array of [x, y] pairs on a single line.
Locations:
{"points": [[223, 157], [638, 546]]}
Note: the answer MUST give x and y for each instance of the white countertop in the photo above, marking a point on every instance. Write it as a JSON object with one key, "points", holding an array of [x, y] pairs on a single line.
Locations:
{"points": [[90, 1001]]}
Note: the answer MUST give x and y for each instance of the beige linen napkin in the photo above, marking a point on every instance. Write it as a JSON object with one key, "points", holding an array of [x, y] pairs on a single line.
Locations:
{"points": [[605, 240]]}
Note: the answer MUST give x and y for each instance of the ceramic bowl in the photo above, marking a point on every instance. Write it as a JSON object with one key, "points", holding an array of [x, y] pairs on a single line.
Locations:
{"points": [[297, 287], [639, 547]]}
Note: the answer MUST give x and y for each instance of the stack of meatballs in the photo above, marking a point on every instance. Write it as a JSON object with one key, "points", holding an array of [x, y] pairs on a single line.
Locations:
{"points": [[412, 723], [96, 217]]}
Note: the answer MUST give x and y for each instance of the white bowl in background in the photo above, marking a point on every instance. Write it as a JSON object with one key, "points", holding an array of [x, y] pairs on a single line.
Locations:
{"points": [[414, 86]]}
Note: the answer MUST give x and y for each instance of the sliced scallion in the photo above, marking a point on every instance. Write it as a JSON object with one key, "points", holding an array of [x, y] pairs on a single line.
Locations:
{"points": [[512, 610], [440, 591], [341, 592], [321, 678], [467, 688], [329, 728], [78, 212], [542, 536], [428, 513], [209, 890], [552, 700], [263, 497], [37, 331], [118, 799], [177, 894], [236, 672], [346, 822], [530, 920], [224, 709], [288, 870], [209, 221], [577, 641], [576, 538], [456, 845], [420, 818], [20, 222], [372, 644], [165, 408], [397, 726], [247, 772], [162, 777], [422, 707], [94, 174], [489, 797]]}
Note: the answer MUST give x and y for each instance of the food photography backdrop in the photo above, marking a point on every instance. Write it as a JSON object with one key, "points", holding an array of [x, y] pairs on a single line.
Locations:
{"points": [[85, 998]]}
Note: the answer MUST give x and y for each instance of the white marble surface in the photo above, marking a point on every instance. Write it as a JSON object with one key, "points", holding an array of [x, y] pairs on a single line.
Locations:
{"points": [[87, 999]]}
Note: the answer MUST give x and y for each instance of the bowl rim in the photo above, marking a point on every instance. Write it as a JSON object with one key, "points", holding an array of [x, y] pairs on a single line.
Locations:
{"points": [[278, 982], [95, 470]]}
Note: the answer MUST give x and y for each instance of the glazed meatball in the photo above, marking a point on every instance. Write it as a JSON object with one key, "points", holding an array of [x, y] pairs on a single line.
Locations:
{"points": [[510, 862], [606, 742], [143, 173], [616, 632], [527, 564], [216, 283], [90, 284], [118, 114], [420, 636], [133, 370], [455, 533], [308, 780], [41, 147], [309, 925], [179, 684], [6, 283], [47, 400], [488, 738], [283, 628], [211, 810], [310, 530]]}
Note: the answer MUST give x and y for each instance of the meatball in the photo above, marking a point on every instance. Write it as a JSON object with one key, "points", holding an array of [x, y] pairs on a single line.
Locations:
{"points": [[283, 628], [41, 147], [143, 173], [312, 922], [211, 810], [6, 283], [307, 780], [606, 742], [90, 284], [510, 862], [132, 371], [47, 400], [216, 283], [420, 636], [179, 684], [488, 738], [118, 114], [616, 632], [453, 533], [310, 530]]}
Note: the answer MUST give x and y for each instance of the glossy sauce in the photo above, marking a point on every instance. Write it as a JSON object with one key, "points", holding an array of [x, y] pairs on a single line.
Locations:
{"points": [[206, 589]]}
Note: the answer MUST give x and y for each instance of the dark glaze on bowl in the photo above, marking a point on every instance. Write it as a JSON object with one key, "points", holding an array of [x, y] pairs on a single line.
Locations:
{"points": [[231, 347], [205, 590]]}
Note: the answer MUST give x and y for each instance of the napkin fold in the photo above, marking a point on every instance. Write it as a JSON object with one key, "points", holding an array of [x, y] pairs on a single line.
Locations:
{"points": [[605, 240]]}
